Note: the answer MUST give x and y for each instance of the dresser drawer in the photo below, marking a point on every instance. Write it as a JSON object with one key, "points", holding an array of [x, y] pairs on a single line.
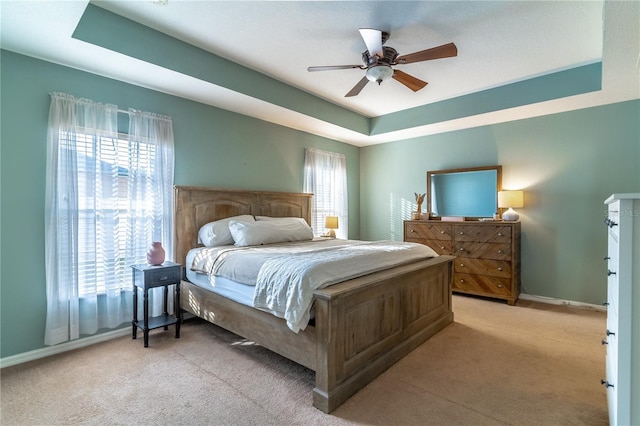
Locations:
{"points": [[495, 268], [439, 246], [484, 233], [483, 250], [428, 231], [482, 284]]}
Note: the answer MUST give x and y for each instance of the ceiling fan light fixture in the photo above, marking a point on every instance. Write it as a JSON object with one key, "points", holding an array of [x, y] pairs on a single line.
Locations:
{"points": [[379, 73]]}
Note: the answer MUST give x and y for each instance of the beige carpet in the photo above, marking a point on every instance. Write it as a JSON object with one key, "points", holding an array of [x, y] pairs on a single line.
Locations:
{"points": [[530, 364]]}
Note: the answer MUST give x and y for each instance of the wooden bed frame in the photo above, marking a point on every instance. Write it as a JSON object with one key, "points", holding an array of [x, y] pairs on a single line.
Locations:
{"points": [[362, 326]]}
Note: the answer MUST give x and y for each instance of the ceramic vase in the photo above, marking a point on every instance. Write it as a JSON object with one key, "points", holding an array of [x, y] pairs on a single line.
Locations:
{"points": [[155, 255]]}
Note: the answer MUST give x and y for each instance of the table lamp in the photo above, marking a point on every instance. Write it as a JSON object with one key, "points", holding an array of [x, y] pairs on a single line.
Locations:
{"points": [[331, 223], [510, 199]]}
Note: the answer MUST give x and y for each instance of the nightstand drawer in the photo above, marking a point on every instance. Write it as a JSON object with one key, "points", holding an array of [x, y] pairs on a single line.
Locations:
{"points": [[162, 276]]}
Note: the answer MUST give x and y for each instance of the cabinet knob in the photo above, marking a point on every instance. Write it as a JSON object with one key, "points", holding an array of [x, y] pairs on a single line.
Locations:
{"points": [[442, 247], [462, 281], [609, 272], [499, 269], [606, 258], [461, 233], [462, 265], [499, 234], [442, 232], [500, 252], [606, 384], [412, 231], [461, 248], [610, 333], [500, 286], [604, 342], [605, 303]]}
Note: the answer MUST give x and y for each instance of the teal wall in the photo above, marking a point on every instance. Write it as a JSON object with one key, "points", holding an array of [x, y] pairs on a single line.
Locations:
{"points": [[567, 164], [213, 148]]}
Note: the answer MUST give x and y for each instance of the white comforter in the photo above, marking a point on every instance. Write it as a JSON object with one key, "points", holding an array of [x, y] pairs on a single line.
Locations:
{"points": [[286, 275]]}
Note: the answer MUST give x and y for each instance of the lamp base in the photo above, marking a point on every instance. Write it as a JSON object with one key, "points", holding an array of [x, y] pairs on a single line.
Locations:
{"points": [[331, 233], [510, 215]]}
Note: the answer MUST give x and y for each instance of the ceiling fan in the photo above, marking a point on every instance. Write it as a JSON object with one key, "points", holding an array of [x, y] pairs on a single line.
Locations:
{"points": [[379, 59]]}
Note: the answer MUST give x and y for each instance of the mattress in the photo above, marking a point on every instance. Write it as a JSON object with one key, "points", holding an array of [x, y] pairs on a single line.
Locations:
{"points": [[228, 288]]}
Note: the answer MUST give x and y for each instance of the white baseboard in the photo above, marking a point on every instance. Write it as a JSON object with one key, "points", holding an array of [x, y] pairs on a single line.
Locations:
{"points": [[553, 301], [62, 347]]}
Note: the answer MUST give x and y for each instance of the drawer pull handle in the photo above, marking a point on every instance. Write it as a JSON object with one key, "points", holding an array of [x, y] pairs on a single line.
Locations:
{"points": [[604, 342], [462, 265], [500, 286], [610, 333], [499, 234], [609, 272], [610, 223], [441, 247], [500, 252], [606, 384], [442, 232], [605, 303], [606, 258], [461, 248], [500, 269], [164, 278], [462, 281]]}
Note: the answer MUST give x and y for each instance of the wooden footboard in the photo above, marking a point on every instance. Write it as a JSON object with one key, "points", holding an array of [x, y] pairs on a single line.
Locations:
{"points": [[362, 326], [365, 325]]}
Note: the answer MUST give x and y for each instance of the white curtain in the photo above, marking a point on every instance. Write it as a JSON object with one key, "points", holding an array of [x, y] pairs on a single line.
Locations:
{"points": [[325, 175], [94, 230]]}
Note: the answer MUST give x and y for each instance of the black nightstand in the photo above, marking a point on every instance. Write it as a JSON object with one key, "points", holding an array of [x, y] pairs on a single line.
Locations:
{"points": [[145, 277]]}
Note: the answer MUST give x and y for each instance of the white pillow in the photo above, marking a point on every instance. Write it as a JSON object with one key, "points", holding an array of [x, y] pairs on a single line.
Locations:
{"points": [[217, 233], [270, 231]]}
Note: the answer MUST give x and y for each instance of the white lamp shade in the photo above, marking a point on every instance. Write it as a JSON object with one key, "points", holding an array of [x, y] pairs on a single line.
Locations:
{"points": [[507, 199], [510, 199]]}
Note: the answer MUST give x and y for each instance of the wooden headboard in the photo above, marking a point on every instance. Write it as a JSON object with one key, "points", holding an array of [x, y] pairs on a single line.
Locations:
{"points": [[196, 206]]}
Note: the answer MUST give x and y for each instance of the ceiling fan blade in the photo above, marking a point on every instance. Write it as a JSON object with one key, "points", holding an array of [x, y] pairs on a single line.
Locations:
{"points": [[357, 88], [445, 51], [334, 67], [373, 39], [410, 81]]}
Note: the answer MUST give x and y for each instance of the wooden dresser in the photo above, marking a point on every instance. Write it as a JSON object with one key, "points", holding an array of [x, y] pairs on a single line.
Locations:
{"points": [[488, 254], [623, 309]]}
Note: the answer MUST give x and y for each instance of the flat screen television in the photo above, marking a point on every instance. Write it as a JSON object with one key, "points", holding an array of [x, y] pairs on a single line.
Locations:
{"points": [[471, 192]]}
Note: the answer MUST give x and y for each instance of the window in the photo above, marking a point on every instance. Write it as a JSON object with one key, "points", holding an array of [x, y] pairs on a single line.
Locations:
{"points": [[108, 196], [325, 175], [105, 217]]}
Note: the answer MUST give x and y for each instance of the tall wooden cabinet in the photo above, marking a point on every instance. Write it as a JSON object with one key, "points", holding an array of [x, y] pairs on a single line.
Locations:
{"points": [[623, 309], [488, 254]]}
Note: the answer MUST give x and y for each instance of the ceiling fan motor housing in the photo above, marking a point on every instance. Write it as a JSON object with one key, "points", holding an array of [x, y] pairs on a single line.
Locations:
{"points": [[389, 56]]}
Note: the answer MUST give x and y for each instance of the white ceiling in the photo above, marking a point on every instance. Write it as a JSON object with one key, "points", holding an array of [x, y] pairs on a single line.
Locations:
{"points": [[499, 42]]}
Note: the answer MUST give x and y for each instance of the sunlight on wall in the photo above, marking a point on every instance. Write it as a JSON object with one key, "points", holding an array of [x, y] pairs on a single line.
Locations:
{"points": [[399, 210]]}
